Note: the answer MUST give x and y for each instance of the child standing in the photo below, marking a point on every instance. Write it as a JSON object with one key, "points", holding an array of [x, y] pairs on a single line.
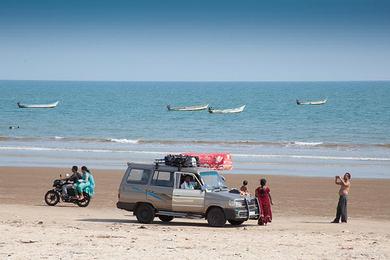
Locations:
{"points": [[244, 188], [265, 201]]}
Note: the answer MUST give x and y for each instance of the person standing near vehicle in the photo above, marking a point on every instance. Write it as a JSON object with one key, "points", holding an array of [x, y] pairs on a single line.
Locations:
{"points": [[263, 194], [244, 189], [72, 180], [345, 184]]}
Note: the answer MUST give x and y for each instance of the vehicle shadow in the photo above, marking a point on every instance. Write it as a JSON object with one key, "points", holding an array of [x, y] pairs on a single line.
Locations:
{"points": [[193, 224], [157, 223], [67, 205], [108, 220]]}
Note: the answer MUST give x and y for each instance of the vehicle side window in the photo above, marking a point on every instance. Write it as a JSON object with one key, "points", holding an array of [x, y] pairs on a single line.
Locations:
{"points": [[192, 179], [138, 176], [163, 179]]}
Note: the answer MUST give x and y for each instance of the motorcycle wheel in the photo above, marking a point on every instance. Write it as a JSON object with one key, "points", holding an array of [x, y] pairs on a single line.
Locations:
{"points": [[52, 198], [85, 202]]}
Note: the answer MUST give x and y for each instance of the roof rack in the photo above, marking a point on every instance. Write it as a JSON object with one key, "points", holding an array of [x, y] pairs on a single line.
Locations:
{"points": [[159, 162]]}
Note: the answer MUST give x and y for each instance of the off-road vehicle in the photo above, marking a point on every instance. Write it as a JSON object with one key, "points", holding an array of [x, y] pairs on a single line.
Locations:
{"points": [[151, 190]]}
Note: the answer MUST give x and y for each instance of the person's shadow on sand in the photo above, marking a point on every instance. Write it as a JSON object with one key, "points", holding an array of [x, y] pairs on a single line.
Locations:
{"points": [[316, 222]]}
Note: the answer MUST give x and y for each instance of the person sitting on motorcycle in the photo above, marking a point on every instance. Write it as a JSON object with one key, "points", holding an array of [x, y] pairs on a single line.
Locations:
{"points": [[87, 181], [72, 180]]}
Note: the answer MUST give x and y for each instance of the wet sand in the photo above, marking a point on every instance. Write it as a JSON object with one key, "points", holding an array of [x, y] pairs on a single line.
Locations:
{"points": [[292, 196]]}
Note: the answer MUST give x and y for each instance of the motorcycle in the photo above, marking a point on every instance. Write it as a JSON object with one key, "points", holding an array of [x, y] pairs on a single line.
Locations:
{"points": [[53, 196]]}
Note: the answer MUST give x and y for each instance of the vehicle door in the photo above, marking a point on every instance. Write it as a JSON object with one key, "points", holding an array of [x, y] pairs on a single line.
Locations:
{"points": [[187, 200], [160, 190], [135, 185]]}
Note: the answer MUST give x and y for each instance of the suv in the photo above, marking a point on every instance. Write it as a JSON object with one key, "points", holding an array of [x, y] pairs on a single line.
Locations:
{"points": [[151, 190]]}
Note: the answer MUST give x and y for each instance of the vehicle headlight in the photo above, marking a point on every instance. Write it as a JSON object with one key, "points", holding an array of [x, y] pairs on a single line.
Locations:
{"points": [[235, 203]]}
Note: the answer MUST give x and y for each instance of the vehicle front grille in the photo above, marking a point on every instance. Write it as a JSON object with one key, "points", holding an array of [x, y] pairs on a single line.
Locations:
{"points": [[252, 205], [248, 209]]}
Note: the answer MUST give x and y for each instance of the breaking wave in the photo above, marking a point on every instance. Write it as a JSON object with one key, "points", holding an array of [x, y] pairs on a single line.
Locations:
{"points": [[123, 141], [281, 156], [306, 143], [303, 144]]}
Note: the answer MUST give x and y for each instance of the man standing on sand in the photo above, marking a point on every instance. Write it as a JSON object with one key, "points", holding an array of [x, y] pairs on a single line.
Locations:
{"points": [[345, 184]]}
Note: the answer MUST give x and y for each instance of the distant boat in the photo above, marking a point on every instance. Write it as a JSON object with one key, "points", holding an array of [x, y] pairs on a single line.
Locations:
{"points": [[319, 102], [190, 108], [51, 105], [227, 111]]}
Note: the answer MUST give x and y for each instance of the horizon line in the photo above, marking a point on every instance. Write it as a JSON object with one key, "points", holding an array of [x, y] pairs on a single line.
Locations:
{"points": [[200, 81]]}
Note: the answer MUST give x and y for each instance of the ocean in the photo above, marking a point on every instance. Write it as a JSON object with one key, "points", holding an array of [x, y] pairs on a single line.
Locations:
{"points": [[106, 124]]}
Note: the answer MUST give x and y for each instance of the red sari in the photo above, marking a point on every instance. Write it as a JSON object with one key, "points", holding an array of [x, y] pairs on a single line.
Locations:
{"points": [[262, 195]]}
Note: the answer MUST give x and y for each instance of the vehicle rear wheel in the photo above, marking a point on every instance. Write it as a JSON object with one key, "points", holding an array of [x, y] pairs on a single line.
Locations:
{"points": [[216, 217], [145, 214], [236, 222], [84, 202], [52, 198], [165, 218]]}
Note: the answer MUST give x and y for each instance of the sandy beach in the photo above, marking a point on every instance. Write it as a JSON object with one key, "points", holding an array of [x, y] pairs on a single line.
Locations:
{"points": [[295, 92], [300, 230]]}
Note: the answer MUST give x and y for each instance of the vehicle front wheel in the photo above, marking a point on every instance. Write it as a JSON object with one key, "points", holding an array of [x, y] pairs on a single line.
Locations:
{"points": [[52, 198], [165, 218], [236, 222], [216, 217], [145, 214]]}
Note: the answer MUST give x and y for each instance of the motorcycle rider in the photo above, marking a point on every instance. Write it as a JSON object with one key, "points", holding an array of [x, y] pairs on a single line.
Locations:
{"points": [[72, 179], [86, 181]]}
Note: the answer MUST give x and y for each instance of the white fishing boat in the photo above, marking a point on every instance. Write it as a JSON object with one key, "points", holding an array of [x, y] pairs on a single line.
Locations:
{"points": [[189, 108], [227, 111], [319, 102], [51, 105]]}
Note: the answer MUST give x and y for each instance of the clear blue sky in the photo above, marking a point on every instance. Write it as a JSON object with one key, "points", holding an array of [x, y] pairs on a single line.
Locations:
{"points": [[195, 40]]}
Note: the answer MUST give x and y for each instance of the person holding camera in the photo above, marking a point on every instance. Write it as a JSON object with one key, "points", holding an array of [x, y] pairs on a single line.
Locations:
{"points": [[345, 184]]}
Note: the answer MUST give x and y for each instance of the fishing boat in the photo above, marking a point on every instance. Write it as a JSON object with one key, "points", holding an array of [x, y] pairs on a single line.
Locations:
{"points": [[319, 102], [227, 111], [51, 105], [190, 108]]}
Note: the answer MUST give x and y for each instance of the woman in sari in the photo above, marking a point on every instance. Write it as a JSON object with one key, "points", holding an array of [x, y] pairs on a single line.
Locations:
{"points": [[265, 201], [86, 184]]}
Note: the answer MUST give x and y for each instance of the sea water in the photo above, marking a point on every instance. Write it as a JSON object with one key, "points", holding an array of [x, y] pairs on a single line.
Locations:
{"points": [[106, 124]]}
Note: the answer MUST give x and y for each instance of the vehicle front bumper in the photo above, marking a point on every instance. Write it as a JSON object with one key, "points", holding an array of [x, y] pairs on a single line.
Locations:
{"points": [[249, 210]]}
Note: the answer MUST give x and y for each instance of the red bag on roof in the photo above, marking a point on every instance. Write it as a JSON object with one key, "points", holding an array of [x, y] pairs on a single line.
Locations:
{"points": [[216, 161]]}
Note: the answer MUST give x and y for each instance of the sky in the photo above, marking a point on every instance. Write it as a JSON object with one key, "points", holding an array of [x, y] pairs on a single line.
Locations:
{"points": [[189, 40]]}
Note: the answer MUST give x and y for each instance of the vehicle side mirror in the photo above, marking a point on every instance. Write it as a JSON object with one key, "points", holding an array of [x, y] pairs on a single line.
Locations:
{"points": [[203, 188]]}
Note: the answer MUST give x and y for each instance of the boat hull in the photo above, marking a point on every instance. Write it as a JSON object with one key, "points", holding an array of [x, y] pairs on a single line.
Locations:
{"points": [[190, 108], [227, 111], [315, 103], [52, 105]]}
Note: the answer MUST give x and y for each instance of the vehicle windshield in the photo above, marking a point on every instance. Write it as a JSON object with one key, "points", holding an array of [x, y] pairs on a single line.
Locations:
{"points": [[212, 180]]}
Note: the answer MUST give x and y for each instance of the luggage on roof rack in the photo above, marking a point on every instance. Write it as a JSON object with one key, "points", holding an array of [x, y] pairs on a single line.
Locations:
{"points": [[179, 160], [216, 161]]}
